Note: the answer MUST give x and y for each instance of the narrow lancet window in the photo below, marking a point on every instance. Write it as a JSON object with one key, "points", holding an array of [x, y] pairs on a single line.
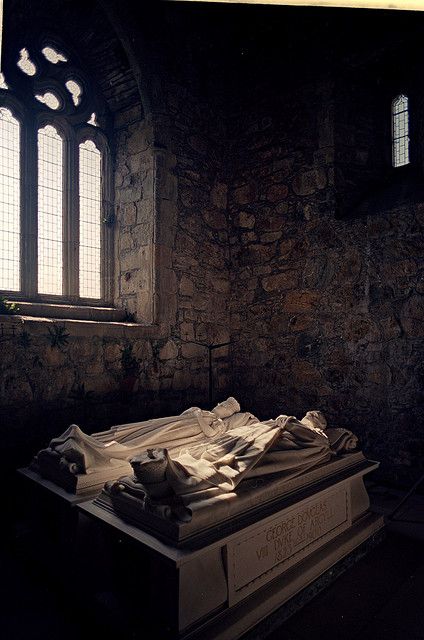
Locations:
{"points": [[90, 200], [400, 131], [9, 201], [50, 211]]}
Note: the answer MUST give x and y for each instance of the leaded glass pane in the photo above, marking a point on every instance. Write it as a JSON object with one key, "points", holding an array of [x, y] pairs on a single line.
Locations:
{"points": [[50, 211], [10, 228], [400, 131], [90, 162]]}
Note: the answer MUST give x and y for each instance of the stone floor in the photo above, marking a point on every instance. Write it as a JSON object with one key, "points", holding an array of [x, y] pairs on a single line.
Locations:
{"points": [[380, 597]]}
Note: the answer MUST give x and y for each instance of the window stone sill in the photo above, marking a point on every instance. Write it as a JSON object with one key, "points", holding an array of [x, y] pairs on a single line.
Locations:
{"points": [[103, 324], [69, 312]]}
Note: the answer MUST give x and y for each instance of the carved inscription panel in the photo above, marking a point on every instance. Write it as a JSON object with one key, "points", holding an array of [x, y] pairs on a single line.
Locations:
{"points": [[283, 540]]}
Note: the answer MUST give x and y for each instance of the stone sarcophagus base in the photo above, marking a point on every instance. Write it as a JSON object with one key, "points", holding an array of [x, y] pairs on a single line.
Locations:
{"points": [[83, 485], [254, 499], [221, 586]]}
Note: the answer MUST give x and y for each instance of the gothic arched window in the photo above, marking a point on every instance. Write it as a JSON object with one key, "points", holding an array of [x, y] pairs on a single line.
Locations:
{"points": [[54, 182], [400, 131]]}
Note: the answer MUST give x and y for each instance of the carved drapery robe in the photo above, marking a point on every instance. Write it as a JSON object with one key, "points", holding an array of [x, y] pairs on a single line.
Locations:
{"points": [[200, 455]]}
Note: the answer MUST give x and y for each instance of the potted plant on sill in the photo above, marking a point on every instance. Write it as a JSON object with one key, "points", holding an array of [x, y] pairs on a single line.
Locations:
{"points": [[130, 369]]}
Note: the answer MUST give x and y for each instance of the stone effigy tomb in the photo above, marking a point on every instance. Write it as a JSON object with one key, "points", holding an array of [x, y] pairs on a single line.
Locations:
{"points": [[236, 515], [224, 578]]}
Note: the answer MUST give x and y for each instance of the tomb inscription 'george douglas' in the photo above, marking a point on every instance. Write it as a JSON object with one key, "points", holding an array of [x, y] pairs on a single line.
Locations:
{"points": [[279, 543]]}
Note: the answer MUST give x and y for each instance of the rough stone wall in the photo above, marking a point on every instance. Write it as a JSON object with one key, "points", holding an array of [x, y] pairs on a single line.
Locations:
{"points": [[55, 372], [188, 244], [362, 138], [326, 312], [134, 218], [200, 259], [280, 204]]}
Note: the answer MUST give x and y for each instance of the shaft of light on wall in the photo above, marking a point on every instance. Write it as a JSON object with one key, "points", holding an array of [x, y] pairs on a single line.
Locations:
{"points": [[406, 5]]}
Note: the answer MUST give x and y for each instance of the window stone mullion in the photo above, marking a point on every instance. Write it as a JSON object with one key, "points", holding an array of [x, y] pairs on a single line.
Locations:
{"points": [[71, 226], [29, 195]]}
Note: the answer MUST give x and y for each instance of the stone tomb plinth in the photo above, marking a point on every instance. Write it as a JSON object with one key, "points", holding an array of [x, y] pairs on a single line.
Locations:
{"points": [[49, 523], [50, 509], [253, 499], [46, 502], [225, 587]]}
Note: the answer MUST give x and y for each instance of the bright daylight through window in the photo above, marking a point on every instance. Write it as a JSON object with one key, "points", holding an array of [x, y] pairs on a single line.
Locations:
{"points": [[52, 182], [400, 131]]}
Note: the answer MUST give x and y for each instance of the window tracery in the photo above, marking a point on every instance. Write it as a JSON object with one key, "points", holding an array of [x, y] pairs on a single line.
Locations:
{"points": [[25, 63], [49, 99], [53, 56], [3, 83], [75, 90], [54, 182]]}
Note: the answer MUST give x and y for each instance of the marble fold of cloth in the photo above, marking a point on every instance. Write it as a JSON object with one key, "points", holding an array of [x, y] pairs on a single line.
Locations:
{"points": [[173, 486], [281, 445], [199, 450], [89, 454]]}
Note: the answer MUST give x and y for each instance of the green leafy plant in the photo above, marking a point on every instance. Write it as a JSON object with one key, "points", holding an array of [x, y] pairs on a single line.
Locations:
{"points": [[58, 336], [8, 308], [129, 363]]}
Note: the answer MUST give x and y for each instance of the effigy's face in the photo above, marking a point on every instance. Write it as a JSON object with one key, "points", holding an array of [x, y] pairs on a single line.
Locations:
{"points": [[317, 419]]}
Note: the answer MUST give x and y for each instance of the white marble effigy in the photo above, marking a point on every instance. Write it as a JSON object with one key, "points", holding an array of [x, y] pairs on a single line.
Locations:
{"points": [[238, 514], [209, 451]]}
